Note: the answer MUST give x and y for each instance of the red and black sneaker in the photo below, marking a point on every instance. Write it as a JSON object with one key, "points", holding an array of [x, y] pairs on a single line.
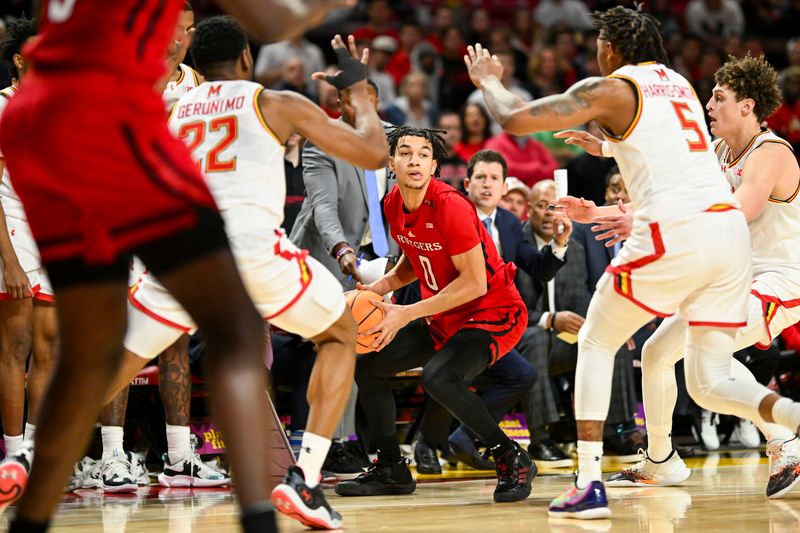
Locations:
{"points": [[14, 475], [306, 505], [515, 473]]}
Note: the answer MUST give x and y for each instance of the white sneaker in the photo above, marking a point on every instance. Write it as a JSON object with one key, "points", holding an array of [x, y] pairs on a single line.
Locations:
{"points": [[138, 468], [92, 472], [708, 430], [116, 474], [191, 472], [747, 434], [646, 473], [79, 472], [784, 466]]}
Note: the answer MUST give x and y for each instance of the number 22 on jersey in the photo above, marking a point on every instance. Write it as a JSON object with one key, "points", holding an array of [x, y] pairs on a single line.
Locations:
{"points": [[228, 127]]}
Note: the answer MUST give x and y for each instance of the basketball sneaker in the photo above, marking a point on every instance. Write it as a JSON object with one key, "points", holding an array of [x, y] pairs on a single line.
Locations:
{"points": [[380, 479], [190, 471], [116, 474], [649, 473], [92, 473], [341, 463], [306, 505], [746, 433], [14, 474], [784, 466], [707, 436], [588, 503], [515, 473], [138, 468]]}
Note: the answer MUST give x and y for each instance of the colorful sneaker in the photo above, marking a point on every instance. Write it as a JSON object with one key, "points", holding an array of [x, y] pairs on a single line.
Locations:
{"points": [[306, 505], [14, 474], [784, 466], [190, 472], [588, 503], [649, 473], [116, 475], [515, 473], [380, 479]]}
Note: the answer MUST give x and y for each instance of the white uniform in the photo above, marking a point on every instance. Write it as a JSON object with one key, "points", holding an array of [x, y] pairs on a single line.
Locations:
{"points": [[775, 236], [20, 233], [187, 80], [243, 165], [689, 250]]}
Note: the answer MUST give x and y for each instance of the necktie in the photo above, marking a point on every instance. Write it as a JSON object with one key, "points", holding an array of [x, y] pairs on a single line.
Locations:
{"points": [[487, 223], [376, 228]]}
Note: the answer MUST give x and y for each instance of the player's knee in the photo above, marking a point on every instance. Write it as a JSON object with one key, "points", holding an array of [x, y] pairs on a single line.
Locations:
{"points": [[701, 388], [343, 331], [437, 380], [16, 347]]}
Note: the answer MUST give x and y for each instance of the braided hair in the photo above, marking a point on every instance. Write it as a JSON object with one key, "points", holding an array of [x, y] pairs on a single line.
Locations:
{"points": [[633, 34], [434, 137]]}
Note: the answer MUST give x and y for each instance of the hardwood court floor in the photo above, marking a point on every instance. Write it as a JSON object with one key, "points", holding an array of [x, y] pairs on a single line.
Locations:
{"points": [[724, 494]]}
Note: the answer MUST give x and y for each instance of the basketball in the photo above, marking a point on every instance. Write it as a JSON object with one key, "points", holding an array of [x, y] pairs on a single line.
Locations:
{"points": [[366, 316]]}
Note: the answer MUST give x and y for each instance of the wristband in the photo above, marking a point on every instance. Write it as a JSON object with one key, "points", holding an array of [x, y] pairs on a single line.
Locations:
{"points": [[343, 252]]}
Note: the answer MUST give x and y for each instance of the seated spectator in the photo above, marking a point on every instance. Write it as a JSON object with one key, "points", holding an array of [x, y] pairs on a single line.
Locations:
{"points": [[509, 82], [293, 77], [380, 21], [527, 158], [410, 36], [571, 13], [452, 168], [411, 108], [476, 130], [426, 60], [711, 19], [272, 58], [546, 73], [381, 51], [455, 87], [517, 198]]}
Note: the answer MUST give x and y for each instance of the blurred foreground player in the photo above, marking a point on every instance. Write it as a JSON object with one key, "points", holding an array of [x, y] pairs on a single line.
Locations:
{"points": [[121, 186], [469, 317], [236, 130]]}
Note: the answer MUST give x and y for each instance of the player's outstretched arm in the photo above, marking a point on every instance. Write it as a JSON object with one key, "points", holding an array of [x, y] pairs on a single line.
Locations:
{"points": [[364, 145], [270, 21], [589, 99]]}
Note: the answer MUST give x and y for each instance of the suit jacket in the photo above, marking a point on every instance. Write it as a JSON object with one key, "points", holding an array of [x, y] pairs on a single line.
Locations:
{"points": [[335, 208], [540, 265], [598, 257]]}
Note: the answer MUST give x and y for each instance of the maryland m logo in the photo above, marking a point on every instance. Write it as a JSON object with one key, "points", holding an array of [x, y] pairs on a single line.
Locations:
{"points": [[214, 90], [662, 74]]}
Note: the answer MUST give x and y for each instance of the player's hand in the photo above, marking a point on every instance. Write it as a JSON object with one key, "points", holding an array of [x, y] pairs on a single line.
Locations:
{"points": [[561, 231], [591, 144], [395, 318], [568, 321], [17, 284], [349, 265], [481, 65], [615, 228], [576, 209], [351, 69]]}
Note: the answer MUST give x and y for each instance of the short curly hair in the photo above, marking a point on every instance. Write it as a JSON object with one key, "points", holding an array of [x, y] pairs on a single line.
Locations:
{"points": [[752, 77], [217, 41]]}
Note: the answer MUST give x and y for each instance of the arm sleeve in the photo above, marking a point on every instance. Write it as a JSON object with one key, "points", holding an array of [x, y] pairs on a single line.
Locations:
{"points": [[319, 177]]}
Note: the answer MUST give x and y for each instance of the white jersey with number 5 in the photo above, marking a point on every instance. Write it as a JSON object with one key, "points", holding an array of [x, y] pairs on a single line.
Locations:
{"points": [[239, 155], [665, 157]]}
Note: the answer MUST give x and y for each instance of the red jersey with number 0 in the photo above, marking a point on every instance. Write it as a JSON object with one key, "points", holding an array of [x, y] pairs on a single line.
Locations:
{"points": [[446, 225], [126, 38]]}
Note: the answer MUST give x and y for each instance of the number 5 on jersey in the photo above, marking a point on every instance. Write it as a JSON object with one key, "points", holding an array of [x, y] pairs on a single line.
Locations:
{"points": [[681, 109], [197, 130]]}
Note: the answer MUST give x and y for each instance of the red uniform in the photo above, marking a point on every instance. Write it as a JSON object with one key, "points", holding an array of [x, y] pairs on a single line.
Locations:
{"points": [[86, 137], [445, 225]]}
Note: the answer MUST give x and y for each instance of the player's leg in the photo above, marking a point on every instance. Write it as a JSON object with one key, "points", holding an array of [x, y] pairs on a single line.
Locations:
{"points": [[43, 359], [446, 378], [412, 347], [87, 363], [15, 345], [116, 474]]}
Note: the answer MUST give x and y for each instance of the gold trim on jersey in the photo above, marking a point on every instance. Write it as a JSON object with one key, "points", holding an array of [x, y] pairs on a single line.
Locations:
{"points": [[196, 79], [647, 63], [749, 145], [639, 103], [10, 88], [183, 74], [261, 118]]}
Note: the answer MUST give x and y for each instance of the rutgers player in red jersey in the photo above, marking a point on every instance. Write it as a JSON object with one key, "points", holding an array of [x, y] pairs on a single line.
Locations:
{"points": [[116, 183], [470, 315]]}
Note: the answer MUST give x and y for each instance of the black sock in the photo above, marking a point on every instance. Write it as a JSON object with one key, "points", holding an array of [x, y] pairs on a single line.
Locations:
{"points": [[388, 450], [22, 525], [259, 518], [499, 443]]}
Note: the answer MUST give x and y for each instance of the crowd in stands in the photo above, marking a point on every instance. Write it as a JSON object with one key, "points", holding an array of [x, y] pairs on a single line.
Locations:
{"points": [[418, 78]]}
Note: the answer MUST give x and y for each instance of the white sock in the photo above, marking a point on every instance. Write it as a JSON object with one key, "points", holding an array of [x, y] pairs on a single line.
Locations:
{"points": [[30, 431], [775, 431], [659, 443], [590, 459], [13, 443], [179, 443], [312, 454], [786, 413], [112, 440]]}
